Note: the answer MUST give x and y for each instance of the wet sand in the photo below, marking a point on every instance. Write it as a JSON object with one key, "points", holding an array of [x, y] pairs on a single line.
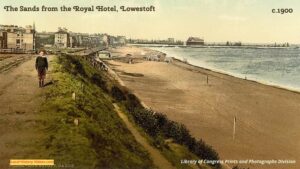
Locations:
{"points": [[267, 118]]}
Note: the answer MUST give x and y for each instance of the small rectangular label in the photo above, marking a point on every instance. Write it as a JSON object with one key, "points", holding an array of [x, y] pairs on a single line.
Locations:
{"points": [[31, 162]]}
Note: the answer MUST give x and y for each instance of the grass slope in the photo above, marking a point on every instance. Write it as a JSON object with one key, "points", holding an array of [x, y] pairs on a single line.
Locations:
{"points": [[100, 140]]}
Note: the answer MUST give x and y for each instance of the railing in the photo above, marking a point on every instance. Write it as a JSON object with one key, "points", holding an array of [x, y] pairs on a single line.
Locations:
{"points": [[16, 51], [90, 56]]}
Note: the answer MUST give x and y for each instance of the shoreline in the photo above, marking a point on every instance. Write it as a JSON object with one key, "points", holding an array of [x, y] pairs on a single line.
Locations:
{"points": [[234, 76], [212, 46], [180, 91], [290, 89]]}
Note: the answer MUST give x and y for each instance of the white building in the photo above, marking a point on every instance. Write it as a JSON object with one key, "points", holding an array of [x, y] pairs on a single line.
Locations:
{"points": [[17, 38], [62, 38]]}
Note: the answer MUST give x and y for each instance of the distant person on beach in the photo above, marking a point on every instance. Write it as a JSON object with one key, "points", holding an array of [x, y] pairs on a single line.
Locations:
{"points": [[41, 65]]}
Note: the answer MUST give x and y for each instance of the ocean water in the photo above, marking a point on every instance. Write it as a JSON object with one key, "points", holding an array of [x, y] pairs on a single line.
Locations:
{"points": [[272, 66]]}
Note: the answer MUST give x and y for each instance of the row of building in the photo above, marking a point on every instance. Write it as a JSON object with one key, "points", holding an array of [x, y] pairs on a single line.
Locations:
{"points": [[169, 41], [15, 38], [64, 38]]}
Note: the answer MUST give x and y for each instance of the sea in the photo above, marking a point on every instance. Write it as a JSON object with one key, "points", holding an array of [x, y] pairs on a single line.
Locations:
{"points": [[272, 66]]}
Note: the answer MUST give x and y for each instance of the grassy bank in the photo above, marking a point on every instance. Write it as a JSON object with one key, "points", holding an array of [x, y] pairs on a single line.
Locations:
{"points": [[100, 140], [85, 131]]}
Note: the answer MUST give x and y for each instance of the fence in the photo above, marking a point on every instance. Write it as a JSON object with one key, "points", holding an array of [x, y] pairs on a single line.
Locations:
{"points": [[16, 51], [90, 55]]}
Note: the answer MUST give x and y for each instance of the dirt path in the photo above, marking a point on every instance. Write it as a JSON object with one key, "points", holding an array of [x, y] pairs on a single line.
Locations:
{"points": [[158, 159], [19, 122]]}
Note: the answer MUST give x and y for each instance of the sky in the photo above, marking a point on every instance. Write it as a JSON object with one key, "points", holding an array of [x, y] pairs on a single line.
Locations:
{"points": [[248, 21]]}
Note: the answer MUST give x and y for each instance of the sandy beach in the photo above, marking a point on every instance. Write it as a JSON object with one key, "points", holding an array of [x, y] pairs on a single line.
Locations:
{"points": [[267, 118]]}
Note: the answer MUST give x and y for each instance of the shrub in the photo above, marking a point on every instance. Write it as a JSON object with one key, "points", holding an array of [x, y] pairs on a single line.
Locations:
{"points": [[162, 120], [73, 65], [79, 68], [118, 94], [97, 79], [147, 121], [132, 103]]}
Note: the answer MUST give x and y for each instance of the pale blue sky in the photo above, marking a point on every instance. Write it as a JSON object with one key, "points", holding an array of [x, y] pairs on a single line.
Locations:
{"points": [[214, 20]]}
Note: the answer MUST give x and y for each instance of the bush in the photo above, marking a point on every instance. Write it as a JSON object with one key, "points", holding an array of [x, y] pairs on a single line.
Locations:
{"points": [[73, 65], [147, 121], [206, 152], [162, 120], [79, 68], [133, 103], [118, 94], [97, 79]]}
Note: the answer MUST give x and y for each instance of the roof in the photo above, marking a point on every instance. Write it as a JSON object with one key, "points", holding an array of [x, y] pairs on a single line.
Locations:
{"points": [[195, 39], [61, 32], [11, 28]]}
